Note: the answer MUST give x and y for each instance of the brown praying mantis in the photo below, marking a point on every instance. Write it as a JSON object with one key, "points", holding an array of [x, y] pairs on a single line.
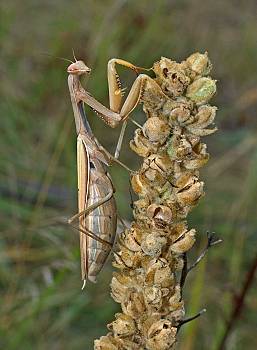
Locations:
{"points": [[96, 205]]}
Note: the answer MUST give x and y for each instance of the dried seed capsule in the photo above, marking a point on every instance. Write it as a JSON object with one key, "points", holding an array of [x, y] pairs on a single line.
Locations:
{"points": [[156, 130], [197, 163], [185, 243], [152, 244], [107, 342], [123, 326], [120, 286], [158, 162], [176, 316], [140, 184], [205, 116], [199, 63], [202, 119], [178, 147], [155, 176], [190, 195], [140, 207], [152, 294], [179, 114], [161, 335], [127, 258], [185, 180], [171, 76], [160, 214], [131, 239], [175, 299], [141, 145], [134, 306], [201, 90]]}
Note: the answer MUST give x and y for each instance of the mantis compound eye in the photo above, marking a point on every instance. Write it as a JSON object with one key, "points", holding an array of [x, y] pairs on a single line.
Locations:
{"points": [[79, 68], [72, 68]]}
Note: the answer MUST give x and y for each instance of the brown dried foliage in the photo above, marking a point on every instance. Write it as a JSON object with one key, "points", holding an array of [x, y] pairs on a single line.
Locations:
{"points": [[148, 282]]}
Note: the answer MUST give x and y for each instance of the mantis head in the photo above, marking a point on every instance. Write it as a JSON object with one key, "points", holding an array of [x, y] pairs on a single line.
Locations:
{"points": [[78, 68]]}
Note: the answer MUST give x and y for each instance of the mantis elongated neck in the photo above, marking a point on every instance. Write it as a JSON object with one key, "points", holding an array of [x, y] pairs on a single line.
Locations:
{"points": [[80, 117]]}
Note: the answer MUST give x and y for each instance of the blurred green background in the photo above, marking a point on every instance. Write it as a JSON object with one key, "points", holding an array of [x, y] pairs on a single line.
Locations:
{"points": [[42, 306]]}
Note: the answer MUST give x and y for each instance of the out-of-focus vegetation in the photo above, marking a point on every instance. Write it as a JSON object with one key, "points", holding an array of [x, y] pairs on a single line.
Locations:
{"points": [[42, 305]]}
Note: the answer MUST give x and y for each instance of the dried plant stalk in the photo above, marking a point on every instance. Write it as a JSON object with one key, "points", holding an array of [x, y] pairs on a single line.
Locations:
{"points": [[148, 284]]}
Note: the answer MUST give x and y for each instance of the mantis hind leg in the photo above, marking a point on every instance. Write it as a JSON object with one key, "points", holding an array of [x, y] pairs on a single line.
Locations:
{"points": [[103, 241], [92, 207]]}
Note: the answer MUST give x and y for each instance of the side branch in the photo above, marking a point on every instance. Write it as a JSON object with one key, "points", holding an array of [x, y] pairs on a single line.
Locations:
{"points": [[189, 319], [211, 241]]}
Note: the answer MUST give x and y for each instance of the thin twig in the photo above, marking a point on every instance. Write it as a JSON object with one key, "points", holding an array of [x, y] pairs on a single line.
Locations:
{"points": [[211, 241], [191, 318]]}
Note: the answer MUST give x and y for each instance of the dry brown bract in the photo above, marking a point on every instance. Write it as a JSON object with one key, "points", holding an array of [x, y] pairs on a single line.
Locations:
{"points": [[148, 285]]}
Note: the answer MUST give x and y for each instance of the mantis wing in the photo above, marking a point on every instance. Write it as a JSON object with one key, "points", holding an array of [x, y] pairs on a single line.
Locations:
{"points": [[83, 188]]}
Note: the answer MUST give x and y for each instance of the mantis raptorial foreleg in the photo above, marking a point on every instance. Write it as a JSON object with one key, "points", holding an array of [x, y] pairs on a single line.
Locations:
{"points": [[109, 116], [114, 84]]}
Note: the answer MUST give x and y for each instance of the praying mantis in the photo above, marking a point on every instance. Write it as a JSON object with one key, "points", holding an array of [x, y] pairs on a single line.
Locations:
{"points": [[97, 212]]}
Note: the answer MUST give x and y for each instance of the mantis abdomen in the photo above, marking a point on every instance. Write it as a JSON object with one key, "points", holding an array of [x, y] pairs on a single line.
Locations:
{"points": [[101, 221]]}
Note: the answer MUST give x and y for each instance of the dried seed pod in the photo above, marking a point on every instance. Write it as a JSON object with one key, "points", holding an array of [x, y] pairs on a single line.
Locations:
{"points": [[185, 243], [120, 287], [141, 145], [153, 98], [156, 130], [154, 176], [198, 158], [178, 147], [171, 76], [110, 343], [177, 230], [164, 277], [190, 194], [161, 335], [140, 184], [134, 306], [175, 299], [201, 90], [159, 163], [131, 239], [139, 208], [185, 180], [199, 63], [123, 326], [204, 117], [152, 295], [178, 315], [158, 272], [194, 140], [107, 343], [180, 115], [152, 244], [160, 214], [180, 103], [127, 259]]}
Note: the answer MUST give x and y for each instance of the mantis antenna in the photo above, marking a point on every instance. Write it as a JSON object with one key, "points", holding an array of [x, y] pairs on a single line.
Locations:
{"points": [[57, 57], [74, 55]]}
